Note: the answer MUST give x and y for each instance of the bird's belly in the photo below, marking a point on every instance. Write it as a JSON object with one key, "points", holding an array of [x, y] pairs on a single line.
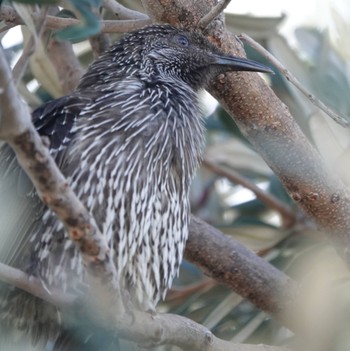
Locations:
{"points": [[146, 234]]}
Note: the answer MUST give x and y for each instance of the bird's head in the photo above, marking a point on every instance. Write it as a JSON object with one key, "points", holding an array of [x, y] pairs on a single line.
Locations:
{"points": [[175, 53]]}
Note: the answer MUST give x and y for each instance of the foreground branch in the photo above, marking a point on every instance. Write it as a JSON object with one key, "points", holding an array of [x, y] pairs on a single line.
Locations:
{"points": [[149, 330], [16, 129]]}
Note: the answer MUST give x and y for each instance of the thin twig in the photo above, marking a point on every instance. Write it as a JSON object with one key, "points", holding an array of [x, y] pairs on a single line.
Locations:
{"points": [[213, 13], [10, 16], [30, 47], [291, 78], [19, 279], [268, 199], [121, 11]]}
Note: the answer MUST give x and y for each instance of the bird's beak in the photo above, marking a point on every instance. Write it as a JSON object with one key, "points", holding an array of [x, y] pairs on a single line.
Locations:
{"points": [[234, 63]]}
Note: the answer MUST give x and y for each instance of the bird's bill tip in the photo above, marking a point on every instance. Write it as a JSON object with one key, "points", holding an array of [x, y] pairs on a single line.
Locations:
{"points": [[241, 64]]}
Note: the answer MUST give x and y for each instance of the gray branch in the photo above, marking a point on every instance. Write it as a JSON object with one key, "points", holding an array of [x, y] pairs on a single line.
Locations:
{"points": [[11, 17], [148, 330]]}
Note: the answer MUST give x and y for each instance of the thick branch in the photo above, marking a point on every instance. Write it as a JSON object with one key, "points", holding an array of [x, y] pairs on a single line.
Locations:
{"points": [[268, 125], [232, 264]]}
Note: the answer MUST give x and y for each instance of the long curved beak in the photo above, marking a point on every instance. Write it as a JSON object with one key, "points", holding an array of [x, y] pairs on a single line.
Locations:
{"points": [[234, 63]]}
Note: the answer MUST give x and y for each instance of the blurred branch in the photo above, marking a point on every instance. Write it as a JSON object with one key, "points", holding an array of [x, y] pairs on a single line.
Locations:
{"points": [[121, 11], [67, 65], [147, 329], [29, 48], [10, 16], [213, 13], [291, 78], [21, 280], [7, 27], [268, 199], [99, 44], [63, 58]]}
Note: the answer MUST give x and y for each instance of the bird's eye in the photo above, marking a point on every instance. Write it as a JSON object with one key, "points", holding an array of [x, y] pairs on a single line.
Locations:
{"points": [[182, 40]]}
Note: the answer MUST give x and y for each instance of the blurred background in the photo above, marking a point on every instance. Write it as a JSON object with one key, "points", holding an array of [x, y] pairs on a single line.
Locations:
{"points": [[311, 40]]}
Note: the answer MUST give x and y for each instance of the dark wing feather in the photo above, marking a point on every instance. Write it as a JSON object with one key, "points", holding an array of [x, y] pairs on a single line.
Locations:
{"points": [[20, 207]]}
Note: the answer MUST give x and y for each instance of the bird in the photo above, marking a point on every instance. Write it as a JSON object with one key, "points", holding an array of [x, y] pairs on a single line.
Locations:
{"points": [[129, 140]]}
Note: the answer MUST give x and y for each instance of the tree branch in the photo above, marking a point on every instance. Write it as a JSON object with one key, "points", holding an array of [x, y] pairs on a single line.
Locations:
{"points": [[291, 78], [10, 16], [123, 12], [21, 280], [213, 13], [231, 263], [16, 129], [29, 48], [149, 330], [268, 199]]}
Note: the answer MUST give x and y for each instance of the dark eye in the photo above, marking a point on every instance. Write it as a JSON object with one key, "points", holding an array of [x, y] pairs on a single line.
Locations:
{"points": [[182, 40]]}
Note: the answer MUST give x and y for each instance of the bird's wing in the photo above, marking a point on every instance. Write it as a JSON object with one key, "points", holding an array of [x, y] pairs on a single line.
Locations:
{"points": [[20, 207]]}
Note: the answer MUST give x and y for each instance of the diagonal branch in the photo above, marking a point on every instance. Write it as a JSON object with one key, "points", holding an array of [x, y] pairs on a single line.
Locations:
{"points": [[270, 128], [213, 13], [29, 48], [268, 199], [232, 264], [16, 129], [291, 78]]}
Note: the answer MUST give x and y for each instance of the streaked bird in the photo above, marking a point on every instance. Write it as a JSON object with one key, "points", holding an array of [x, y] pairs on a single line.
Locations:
{"points": [[129, 140]]}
